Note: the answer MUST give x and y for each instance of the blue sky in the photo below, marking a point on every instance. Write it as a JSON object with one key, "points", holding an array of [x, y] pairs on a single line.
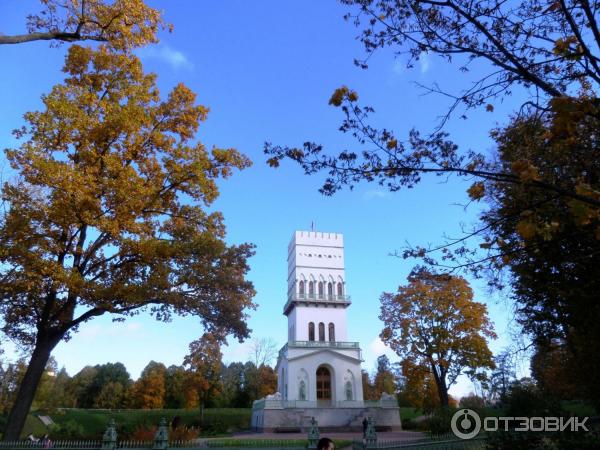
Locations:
{"points": [[266, 70]]}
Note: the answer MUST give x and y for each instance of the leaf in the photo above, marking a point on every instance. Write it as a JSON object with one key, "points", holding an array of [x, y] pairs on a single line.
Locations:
{"points": [[477, 190], [338, 96]]}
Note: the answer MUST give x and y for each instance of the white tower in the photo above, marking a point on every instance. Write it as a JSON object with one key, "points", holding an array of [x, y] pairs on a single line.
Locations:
{"points": [[318, 366]]}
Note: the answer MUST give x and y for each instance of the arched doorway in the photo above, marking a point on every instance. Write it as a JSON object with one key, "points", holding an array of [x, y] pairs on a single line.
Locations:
{"points": [[323, 386]]}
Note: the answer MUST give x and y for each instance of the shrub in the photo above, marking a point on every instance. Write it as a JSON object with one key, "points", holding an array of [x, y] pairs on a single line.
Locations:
{"points": [[66, 430], [472, 401], [144, 433], [439, 421], [183, 433]]}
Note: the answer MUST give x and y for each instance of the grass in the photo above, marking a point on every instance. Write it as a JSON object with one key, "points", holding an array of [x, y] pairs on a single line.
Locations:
{"points": [[34, 426], [93, 422], [409, 413], [579, 409]]}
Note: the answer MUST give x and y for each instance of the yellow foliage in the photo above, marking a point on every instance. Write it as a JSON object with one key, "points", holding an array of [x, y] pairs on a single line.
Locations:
{"points": [[433, 323], [122, 24], [341, 94], [525, 171], [476, 191], [338, 96], [107, 212]]}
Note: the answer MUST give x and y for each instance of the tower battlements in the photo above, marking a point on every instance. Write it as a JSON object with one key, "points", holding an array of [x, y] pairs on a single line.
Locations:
{"points": [[316, 250], [316, 238]]}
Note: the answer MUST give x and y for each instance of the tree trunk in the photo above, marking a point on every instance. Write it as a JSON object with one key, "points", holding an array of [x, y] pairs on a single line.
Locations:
{"points": [[202, 412], [27, 388], [442, 389]]}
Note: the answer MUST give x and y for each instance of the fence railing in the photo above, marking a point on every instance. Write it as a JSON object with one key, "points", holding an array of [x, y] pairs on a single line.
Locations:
{"points": [[161, 442], [61, 444], [445, 442]]}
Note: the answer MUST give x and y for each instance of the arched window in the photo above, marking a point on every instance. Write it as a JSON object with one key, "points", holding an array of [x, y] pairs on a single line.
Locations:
{"points": [[331, 332], [311, 331], [321, 331], [340, 290], [311, 289], [330, 289], [320, 289], [301, 288]]}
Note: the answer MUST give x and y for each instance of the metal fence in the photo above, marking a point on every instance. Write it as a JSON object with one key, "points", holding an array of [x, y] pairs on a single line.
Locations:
{"points": [[445, 442], [161, 442]]}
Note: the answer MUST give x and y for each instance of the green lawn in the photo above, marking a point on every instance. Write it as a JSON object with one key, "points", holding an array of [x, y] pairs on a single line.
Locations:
{"points": [[91, 423], [407, 412]]}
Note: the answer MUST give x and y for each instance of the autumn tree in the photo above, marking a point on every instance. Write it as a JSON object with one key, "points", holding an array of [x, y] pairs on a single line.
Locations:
{"points": [[122, 24], [384, 380], [551, 244], [367, 385], [419, 389], [204, 365], [434, 322], [105, 215], [259, 381], [148, 391]]}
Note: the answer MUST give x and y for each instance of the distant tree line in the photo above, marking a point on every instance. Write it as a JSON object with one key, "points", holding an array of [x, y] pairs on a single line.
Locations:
{"points": [[110, 386]]}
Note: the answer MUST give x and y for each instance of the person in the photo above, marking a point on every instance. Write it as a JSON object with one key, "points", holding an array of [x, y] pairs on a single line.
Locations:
{"points": [[325, 444], [365, 423], [46, 442]]}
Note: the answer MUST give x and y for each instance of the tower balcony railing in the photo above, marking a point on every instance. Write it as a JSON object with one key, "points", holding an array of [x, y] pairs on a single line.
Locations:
{"points": [[317, 298], [324, 297], [319, 344]]}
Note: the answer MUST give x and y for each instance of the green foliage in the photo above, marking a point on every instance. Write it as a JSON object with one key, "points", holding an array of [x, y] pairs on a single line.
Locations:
{"points": [[94, 421], [524, 398], [579, 408], [439, 422], [69, 429]]}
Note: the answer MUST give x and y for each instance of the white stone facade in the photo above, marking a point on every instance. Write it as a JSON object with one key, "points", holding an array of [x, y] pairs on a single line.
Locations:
{"points": [[317, 332], [319, 369]]}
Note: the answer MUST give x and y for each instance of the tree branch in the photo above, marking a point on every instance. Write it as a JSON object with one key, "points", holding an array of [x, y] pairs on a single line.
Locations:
{"points": [[48, 36]]}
